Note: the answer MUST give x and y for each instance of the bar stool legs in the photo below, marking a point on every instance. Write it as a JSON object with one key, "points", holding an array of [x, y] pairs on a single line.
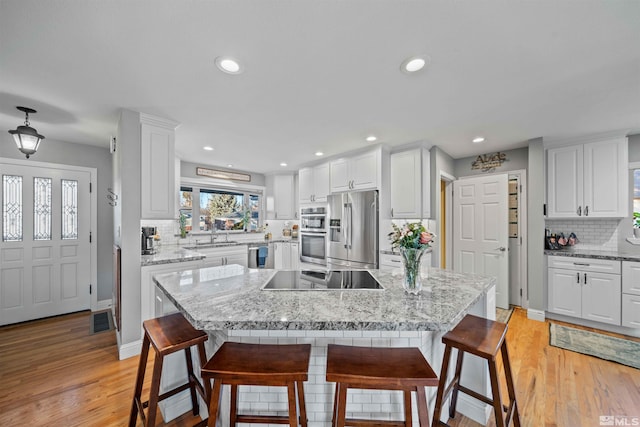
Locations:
{"points": [[168, 335], [483, 338]]}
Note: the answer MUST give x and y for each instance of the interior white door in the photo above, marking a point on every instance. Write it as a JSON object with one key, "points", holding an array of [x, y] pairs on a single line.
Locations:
{"points": [[480, 230], [45, 248]]}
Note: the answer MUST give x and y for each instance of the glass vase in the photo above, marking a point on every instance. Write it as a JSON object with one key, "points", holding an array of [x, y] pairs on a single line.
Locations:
{"points": [[411, 259]]}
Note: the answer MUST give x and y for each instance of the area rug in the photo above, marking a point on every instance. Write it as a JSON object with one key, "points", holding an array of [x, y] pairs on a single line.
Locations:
{"points": [[503, 315], [101, 321], [605, 347]]}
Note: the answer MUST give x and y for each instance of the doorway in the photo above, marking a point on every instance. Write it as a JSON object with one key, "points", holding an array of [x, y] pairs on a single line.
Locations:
{"points": [[47, 257]]}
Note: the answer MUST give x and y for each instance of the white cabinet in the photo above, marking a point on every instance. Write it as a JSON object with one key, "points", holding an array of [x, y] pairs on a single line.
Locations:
{"points": [[410, 184], [631, 294], [586, 288], [285, 256], [148, 304], [225, 255], [157, 168], [588, 180], [360, 172], [281, 197], [314, 184]]}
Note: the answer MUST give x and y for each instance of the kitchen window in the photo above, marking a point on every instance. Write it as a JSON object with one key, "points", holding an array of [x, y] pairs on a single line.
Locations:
{"points": [[636, 193], [220, 208]]}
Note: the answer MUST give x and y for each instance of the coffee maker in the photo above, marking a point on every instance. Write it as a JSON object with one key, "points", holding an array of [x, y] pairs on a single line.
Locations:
{"points": [[147, 240]]}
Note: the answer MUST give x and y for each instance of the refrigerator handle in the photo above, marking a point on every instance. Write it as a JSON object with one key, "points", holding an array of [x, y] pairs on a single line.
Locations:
{"points": [[345, 225], [350, 235]]}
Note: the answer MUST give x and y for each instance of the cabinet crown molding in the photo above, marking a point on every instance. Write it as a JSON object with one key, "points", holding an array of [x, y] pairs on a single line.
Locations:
{"points": [[158, 121]]}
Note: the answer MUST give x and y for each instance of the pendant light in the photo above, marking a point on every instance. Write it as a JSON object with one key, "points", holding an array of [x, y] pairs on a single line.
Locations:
{"points": [[27, 138]]}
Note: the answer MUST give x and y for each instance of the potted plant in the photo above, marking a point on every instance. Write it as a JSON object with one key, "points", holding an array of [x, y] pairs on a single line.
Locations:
{"points": [[636, 225]]}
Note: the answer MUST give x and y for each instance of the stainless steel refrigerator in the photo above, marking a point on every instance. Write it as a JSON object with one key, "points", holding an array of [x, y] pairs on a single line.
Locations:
{"points": [[353, 230]]}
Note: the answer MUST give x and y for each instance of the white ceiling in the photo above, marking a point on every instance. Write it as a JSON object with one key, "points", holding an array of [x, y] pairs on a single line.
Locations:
{"points": [[322, 75]]}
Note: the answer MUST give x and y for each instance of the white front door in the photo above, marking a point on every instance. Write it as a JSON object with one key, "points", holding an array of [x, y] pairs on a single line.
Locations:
{"points": [[45, 251], [480, 230]]}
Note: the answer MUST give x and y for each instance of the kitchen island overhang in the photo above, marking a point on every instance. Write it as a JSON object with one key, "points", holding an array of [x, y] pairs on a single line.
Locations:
{"points": [[229, 303]]}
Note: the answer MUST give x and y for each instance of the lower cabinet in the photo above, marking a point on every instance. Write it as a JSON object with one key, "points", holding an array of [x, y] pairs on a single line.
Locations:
{"points": [[225, 255], [286, 256], [631, 294], [148, 287], [585, 288]]}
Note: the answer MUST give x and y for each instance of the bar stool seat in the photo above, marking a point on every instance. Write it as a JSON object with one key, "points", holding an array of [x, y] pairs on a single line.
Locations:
{"points": [[238, 364], [484, 338], [167, 335], [403, 369]]}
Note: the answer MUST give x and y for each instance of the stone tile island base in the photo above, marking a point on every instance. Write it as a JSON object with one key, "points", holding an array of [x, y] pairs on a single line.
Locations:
{"points": [[376, 404]]}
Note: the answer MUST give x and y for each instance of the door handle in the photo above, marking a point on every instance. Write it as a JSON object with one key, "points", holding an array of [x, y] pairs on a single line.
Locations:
{"points": [[578, 278], [579, 211], [586, 211], [501, 249], [391, 212], [585, 278]]}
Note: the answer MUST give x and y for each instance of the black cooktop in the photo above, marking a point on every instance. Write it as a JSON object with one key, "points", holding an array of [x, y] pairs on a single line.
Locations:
{"points": [[310, 280]]}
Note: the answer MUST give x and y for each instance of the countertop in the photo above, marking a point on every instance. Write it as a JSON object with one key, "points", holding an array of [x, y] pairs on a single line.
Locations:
{"points": [[617, 255], [230, 297], [168, 254]]}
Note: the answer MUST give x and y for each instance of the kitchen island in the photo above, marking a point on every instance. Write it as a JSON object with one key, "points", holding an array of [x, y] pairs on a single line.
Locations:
{"points": [[229, 303]]}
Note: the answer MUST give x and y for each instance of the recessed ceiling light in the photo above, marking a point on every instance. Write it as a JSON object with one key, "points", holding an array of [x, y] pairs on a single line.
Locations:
{"points": [[229, 165], [414, 63], [319, 153], [478, 139], [371, 138], [283, 164], [207, 148], [228, 65]]}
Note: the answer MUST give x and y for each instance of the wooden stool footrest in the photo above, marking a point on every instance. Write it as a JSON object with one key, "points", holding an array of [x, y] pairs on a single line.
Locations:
{"points": [[371, 423], [262, 419]]}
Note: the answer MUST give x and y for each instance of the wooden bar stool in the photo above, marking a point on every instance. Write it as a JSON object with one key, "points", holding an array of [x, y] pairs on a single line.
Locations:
{"points": [[260, 365], [167, 334], [403, 369], [483, 338]]}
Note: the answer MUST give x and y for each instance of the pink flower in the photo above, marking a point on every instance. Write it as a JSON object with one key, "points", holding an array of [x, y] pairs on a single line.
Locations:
{"points": [[425, 237]]}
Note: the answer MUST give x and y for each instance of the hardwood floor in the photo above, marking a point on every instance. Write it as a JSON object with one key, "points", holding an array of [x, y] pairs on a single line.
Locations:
{"points": [[54, 373]]}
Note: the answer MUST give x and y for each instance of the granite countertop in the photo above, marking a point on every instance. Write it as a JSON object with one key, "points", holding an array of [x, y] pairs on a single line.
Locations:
{"points": [[230, 297], [616, 255], [170, 254]]}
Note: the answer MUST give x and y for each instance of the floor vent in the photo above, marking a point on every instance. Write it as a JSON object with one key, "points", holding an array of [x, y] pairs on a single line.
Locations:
{"points": [[101, 321]]}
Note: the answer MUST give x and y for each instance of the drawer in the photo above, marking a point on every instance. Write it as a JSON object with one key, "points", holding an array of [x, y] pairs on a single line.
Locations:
{"points": [[584, 264], [388, 260], [631, 277], [631, 311]]}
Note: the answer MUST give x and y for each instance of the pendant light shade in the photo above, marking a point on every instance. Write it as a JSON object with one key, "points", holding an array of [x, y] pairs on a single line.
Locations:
{"points": [[27, 138]]}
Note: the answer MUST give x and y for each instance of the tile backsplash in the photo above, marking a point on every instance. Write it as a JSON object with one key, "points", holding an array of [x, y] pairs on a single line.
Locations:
{"points": [[595, 234]]}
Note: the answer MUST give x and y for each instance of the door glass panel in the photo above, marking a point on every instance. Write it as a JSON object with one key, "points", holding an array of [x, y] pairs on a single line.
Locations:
{"points": [[69, 209], [12, 208], [42, 208]]}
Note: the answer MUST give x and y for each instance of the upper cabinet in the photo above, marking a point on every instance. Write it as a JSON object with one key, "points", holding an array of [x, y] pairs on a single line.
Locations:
{"points": [[410, 184], [314, 184], [157, 168], [588, 180], [360, 172], [281, 196]]}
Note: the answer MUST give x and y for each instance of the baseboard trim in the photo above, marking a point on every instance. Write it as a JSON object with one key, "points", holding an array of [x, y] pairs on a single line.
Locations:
{"points": [[128, 350], [104, 304], [536, 314], [472, 408]]}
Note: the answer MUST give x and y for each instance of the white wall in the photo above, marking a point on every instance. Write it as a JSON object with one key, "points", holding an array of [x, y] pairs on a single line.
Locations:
{"points": [[66, 153]]}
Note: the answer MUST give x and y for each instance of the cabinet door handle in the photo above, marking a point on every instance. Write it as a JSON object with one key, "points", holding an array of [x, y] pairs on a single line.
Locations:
{"points": [[579, 210], [585, 278], [586, 211], [392, 212], [582, 263], [578, 278]]}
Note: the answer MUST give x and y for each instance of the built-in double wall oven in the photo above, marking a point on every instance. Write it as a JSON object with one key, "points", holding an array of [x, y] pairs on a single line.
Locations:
{"points": [[313, 235]]}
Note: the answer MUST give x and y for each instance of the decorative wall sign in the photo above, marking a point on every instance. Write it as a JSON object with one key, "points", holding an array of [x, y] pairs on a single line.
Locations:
{"points": [[212, 173], [488, 162]]}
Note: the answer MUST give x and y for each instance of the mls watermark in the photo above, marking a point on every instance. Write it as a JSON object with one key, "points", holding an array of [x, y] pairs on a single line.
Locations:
{"points": [[619, 420]]}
